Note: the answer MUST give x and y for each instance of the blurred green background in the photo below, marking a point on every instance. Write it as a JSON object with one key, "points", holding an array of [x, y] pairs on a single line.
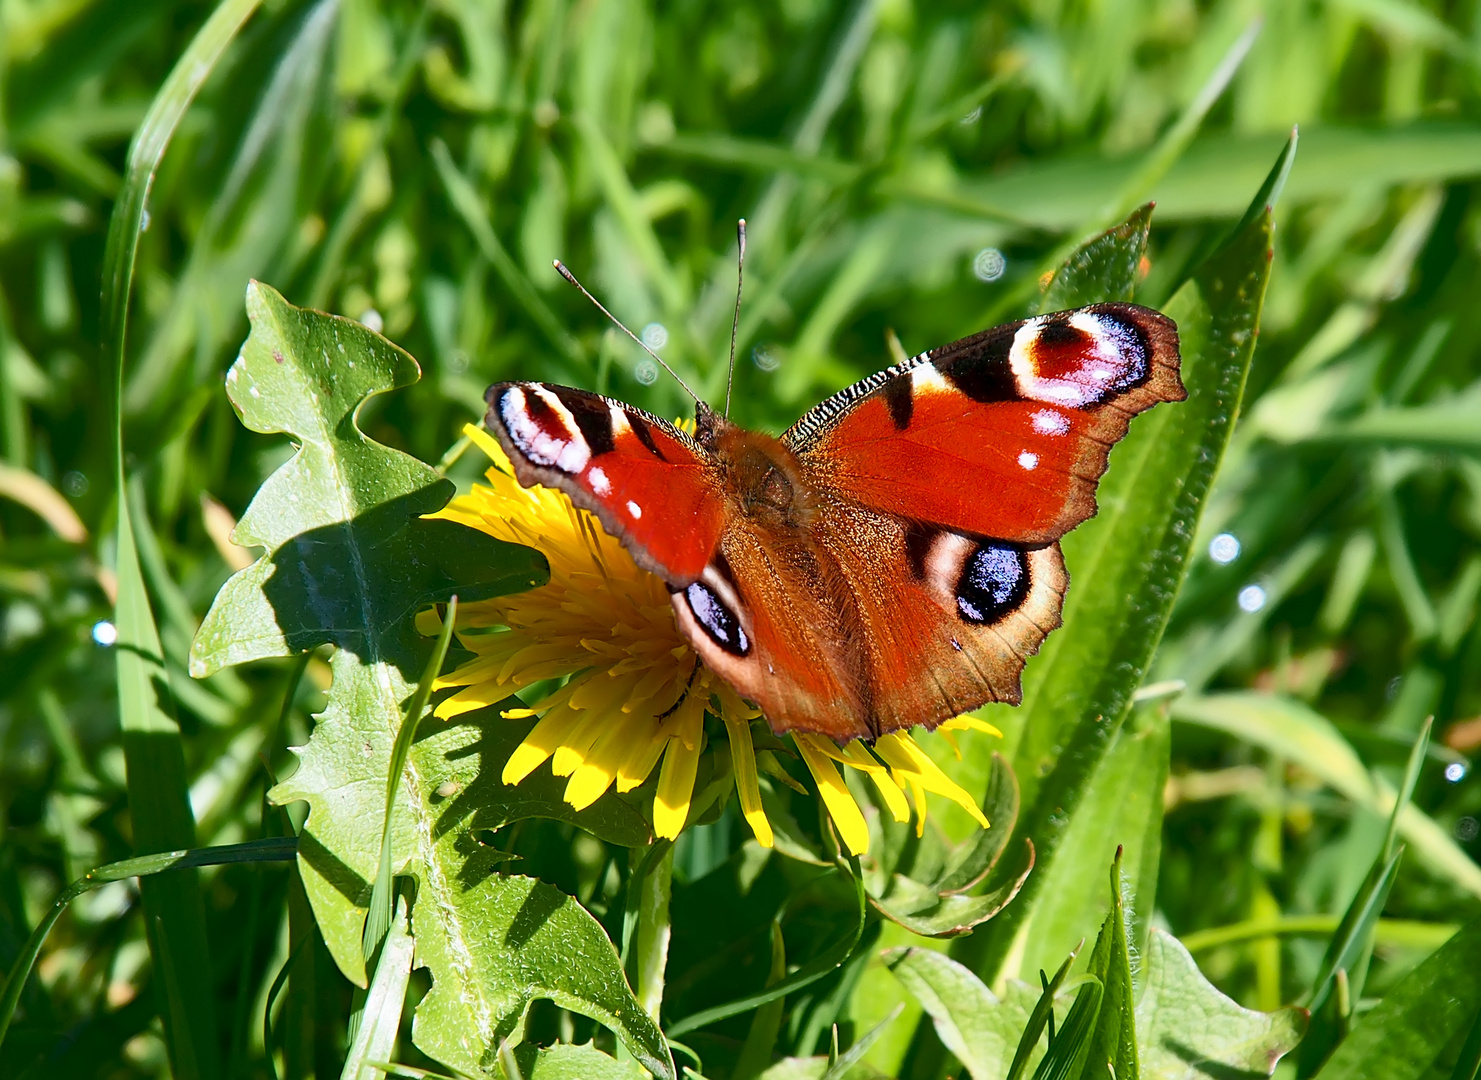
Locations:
{"points": [[904, 168]]}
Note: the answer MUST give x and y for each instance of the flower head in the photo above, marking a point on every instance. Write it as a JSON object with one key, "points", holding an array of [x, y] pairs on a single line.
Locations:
{"points": [[619, 692]]}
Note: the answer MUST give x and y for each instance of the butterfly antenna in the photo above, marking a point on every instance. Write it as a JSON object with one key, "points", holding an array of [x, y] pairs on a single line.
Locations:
{"points": [[561, 267], [740, 278]]}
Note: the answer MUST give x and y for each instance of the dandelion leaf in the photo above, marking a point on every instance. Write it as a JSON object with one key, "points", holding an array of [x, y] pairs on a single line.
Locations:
{"points": [[512, 940], [348, 558], [1187, 1030], [979, 1027], [348, 561]]}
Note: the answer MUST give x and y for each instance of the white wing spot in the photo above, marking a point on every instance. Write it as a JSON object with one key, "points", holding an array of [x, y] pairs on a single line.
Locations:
{"points": [[599, 482], [925, 379], [634, 509], [1028, 461], [1049, 422]]}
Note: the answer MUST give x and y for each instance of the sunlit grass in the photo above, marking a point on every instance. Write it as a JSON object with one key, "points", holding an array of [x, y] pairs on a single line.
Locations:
{"points": [[903, 169]]}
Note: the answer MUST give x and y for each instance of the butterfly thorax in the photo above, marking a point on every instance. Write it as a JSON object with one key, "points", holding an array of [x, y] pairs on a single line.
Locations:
{"points": [[759, 472]]}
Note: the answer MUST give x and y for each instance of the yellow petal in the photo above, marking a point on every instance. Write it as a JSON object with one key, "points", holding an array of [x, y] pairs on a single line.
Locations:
{"points": [[836, 795], [641, 758], [489, 445], [573, 749], [968, 722], [854, 754], [675, 789], [594, 777], [479, 696], [540, 743], [746, 785], [903, 755]]}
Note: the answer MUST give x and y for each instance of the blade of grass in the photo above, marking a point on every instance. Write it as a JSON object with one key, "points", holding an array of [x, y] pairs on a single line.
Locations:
{"points": [[1352, 944], [465, 201], [154, 758], [378, 917], [271, 849], [380, 1018], [1176, 139], [1042, 1015]]}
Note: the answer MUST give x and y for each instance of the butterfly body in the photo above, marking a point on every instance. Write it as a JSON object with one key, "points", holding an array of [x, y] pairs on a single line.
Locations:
{"points": [[891, 559]]}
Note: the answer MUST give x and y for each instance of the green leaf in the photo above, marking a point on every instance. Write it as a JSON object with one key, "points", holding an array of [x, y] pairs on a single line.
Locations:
{"points": [[1187, 1030], [1113, 1041], [1126, 566], [380, 1018], [349, 560], [496, 943], [1105, 267], [1417, 1020], [565, 1061], [981, 1029]]}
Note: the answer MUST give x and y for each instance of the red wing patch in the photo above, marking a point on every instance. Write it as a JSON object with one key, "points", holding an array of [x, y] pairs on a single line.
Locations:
{"points": [[1004, 434], [648, 484]]}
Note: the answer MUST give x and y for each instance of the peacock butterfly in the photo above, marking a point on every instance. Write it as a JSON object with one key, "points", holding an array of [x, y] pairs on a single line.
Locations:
{"points": [[892, 558]]}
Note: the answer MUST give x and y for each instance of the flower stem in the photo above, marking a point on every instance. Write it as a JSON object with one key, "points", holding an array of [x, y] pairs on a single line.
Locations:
{"points": [[651, 942]]}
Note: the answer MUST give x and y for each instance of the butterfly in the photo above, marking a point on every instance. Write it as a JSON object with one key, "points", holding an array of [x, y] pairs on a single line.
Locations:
{"points": [[892, 558]]}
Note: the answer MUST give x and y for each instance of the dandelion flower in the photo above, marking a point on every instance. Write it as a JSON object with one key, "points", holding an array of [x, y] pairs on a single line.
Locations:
{"points": [[619, 692]]}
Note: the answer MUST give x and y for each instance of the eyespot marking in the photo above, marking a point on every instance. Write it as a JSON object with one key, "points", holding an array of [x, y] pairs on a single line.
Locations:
{"points": [[1078, 358], [542, 429], [719, 622], [994, 582]]}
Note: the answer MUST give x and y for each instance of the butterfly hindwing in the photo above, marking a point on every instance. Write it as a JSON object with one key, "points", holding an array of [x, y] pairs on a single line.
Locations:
{"points": [[646, 481], [1003, 434]]}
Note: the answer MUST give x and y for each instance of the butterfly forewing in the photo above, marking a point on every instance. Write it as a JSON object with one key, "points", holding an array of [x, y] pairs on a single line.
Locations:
{"points": [[646, 481], [1003, 434]]}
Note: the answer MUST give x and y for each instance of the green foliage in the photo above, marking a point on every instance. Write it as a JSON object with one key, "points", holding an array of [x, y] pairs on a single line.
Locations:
{"points": [[903, 167], [1187, 1030], [1180, 1027]]}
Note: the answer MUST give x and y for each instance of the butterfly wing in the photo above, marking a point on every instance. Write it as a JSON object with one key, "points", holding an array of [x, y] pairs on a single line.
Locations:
{"points": [[1003, 434], [947, 481], [648, 483], [869, 624]]}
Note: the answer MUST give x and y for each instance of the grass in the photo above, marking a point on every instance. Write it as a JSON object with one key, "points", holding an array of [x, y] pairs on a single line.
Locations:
{"points": [[420, 168]]}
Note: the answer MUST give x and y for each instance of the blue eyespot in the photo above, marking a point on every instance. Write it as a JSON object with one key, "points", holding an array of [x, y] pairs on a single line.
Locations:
{"points": [[994, 582], [719, 622]]}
